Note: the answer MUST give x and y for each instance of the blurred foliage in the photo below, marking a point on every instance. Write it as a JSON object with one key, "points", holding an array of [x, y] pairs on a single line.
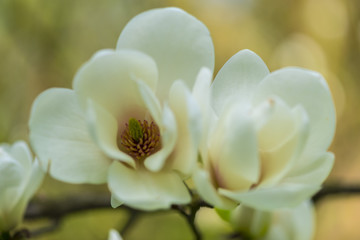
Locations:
{"points": [[43, 43]]}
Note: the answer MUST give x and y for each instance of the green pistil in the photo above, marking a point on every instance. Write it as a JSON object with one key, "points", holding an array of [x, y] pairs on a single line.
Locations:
{"points": [[135, 130]]}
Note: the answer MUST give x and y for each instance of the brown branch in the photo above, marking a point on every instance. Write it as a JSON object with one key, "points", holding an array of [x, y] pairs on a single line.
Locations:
{"points": [[336, 190]]}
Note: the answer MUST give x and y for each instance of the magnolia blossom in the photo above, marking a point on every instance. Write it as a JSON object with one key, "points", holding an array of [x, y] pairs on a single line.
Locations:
{"points": [[130, 119], [267, 135], [21, 176], [114, 235], [282, 224]]}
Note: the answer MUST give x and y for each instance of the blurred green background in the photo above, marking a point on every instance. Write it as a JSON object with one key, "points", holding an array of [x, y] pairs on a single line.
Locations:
{"points": [[43, 43]]}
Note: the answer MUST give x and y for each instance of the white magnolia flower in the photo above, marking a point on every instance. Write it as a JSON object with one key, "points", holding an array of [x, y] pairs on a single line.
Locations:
{"points": [[267, 135], [130, 118], [20, 177], [282, 224], [114, 235]]}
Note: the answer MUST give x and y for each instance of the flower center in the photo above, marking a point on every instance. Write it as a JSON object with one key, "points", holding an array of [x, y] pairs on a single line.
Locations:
{"points": [[140, 139]]}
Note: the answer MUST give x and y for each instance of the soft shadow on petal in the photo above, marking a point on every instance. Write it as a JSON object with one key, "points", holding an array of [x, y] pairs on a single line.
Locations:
{"points": [[188, 121], [277, 161], [145, 190], [237, 79], [108, 79], [315, 172], [202, 94], [208, 192], [169, 133], [233, 150], [282, 195], [103, 128], [60, 137], [178, 42], [307, 88]]}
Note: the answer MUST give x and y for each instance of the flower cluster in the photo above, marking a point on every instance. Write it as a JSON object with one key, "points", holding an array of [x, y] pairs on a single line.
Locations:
{"points": [[146, 116]]}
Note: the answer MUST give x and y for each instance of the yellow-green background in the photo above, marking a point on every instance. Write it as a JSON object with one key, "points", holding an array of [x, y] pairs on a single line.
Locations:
{"points": [[44, 42]]}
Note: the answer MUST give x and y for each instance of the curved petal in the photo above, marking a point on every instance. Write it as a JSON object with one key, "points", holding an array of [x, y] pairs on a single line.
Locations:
{"points": [[202, 95], [10, 172], [233, 150], [188, 121], [114, 235], [278, 160], [103, 128], [237, 79], [179, 43], [168, 129], [309, 89], [208, 192], [146, 190], [314, 173], [21, 152], [293, 223], [60, 137], [30, 185], [109, 80], [115, 202], [281, 196]]}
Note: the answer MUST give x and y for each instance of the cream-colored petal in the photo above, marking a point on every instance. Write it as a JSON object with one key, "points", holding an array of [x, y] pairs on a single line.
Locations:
{"points": [[109, 80], [150, 100], [179, 43], [315, 172], [202, 95], [60, 137], [115, 202], [188, 121], [277, 161], [237, 79], [233, 150], [282, 195], [297, 86], [208, 192], [114, 235], [10, 172], [293, 223], [103, 128], [169, 133], [145, 190]]}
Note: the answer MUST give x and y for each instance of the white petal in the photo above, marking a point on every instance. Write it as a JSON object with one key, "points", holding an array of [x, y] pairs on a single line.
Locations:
{"points": [[21, 152], [146, 190], [208, 192], [293, 223], [233, 150], [114, 235], [103, 128], [278, 160], [179, 43], [307, 88], [168, 131], [10, 171], [315, 172], [150, 100], [188, 121], [115, 202], [284, 195], [60, 137], [108, 79], [237, 79], [202, 94]]}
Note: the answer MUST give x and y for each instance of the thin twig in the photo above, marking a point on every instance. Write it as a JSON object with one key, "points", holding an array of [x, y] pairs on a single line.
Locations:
{"points": [[335, 190], [134, 215], [50, 228]]}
